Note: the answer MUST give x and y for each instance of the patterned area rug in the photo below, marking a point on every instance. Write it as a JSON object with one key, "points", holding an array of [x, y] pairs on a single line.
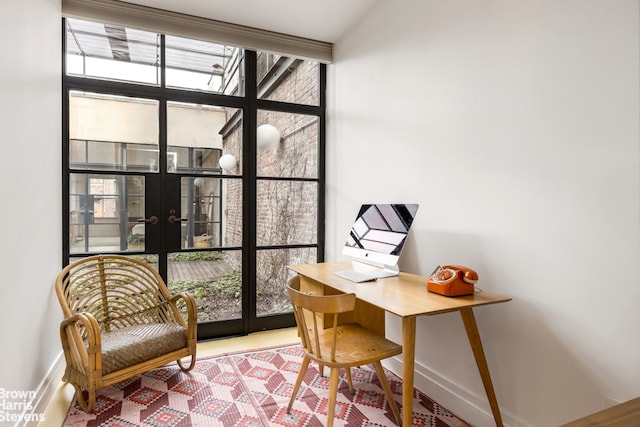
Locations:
{"points": [[251, 390]]}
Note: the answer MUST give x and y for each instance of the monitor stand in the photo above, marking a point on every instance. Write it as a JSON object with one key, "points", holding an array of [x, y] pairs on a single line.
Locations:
{"points": [[384, 270]]}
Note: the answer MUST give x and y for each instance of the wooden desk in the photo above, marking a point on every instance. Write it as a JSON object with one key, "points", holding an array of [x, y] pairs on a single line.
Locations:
{"points": [[405, 296]]}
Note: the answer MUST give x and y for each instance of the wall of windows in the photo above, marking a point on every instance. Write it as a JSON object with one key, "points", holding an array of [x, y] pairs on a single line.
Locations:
{"points": [[147, 118]]}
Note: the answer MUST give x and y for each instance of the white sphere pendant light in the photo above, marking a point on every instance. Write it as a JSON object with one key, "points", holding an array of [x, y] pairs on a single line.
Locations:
{"points": [[228, 162], [267, 136]]}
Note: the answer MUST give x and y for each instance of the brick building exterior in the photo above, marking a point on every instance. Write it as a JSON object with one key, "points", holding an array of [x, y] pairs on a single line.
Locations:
{"points": [[286, 210]]}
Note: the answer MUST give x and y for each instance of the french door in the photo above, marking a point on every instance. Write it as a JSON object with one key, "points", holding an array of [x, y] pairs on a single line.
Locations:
{"points": [[218, 191]]}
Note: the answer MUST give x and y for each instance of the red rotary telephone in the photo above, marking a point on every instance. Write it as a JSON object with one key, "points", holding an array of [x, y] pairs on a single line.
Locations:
{"points": [[452, 280]]}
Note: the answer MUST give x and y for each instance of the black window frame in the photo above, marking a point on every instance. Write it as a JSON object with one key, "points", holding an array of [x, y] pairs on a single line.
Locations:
{"points": [[249, 103]]}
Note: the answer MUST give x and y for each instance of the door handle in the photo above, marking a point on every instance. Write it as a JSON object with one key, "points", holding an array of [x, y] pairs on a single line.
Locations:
{"points": [[174, 219], [151, 220]]}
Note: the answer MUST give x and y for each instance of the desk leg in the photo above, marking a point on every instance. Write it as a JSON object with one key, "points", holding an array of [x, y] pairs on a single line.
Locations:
{"points": [[408, 366], [476, 345]]}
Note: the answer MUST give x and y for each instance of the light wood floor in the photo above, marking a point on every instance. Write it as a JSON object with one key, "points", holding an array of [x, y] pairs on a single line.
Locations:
{"points": [[59, 404]]}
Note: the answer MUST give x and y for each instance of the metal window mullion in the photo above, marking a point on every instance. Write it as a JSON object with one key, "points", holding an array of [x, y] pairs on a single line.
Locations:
{"points": [[321, 162], [250, 192]]}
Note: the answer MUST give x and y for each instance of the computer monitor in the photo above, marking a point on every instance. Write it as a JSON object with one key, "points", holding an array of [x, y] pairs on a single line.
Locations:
{"points": [[379, 233]]}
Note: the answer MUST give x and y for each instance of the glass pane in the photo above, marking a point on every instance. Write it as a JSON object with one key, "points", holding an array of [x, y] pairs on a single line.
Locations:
{"points": [[204, 66], [112, 132], [272, 275], [213, 278], [287, 212], [213, 208], [287, 145], [198, 135], [104, 211], [112, 52], [288, 79]]}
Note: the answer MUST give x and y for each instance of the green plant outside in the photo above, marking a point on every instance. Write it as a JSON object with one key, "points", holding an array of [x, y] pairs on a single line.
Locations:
{"points": [[227, 286], [182, 256], [215, 299]]}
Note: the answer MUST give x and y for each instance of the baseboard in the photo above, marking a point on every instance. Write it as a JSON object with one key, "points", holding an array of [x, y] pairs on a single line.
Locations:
{"points": [[44, 393], [473, 409]]}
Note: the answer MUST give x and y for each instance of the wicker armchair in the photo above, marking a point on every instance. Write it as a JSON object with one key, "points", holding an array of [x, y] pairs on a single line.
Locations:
{"points": [[120, 321]]}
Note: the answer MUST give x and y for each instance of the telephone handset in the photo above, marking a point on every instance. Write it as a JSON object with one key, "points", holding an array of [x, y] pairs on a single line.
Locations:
{"points": [[452, 280]]}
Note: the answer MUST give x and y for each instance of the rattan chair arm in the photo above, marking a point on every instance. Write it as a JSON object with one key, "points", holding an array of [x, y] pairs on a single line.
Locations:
{"points": [[192, 311], [84, 354]]}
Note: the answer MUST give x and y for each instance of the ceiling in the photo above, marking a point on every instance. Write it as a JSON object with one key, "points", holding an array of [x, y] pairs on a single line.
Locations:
{"points": [[324, 20]]}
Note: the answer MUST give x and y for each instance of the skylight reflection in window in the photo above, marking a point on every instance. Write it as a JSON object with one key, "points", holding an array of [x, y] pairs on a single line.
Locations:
{"points": [[112, 52], [210, 67]]}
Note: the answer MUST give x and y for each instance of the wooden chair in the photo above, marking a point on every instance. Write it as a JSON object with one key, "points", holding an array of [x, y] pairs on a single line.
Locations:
{"points": [[337, 346], [119, 321]]}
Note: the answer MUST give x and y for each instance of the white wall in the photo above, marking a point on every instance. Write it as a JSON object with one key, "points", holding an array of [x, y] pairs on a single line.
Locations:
{"points": [[30, 117], [515, 125]]}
